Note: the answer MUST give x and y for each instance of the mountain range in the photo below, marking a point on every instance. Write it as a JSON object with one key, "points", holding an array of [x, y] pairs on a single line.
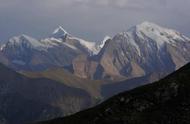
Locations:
{"points": [[63, 74], [143, 54], [140, 51], [26, 53], [163, 102]]}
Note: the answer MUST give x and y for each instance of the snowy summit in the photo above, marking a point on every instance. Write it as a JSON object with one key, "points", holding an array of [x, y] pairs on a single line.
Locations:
{"points": [[60, 32]]}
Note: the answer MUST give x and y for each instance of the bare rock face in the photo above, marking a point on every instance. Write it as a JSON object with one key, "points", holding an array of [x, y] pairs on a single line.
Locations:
{"points": [[144, 49], [59, 50], [84, 68]]}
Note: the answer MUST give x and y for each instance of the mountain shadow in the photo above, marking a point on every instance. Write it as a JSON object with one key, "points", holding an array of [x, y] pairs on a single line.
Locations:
{"points": [[164, 102], [24, 99]]}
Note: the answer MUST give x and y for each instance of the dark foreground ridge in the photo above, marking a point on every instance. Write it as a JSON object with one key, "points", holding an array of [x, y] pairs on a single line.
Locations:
{"points": [[24, 99], [164, 102]]}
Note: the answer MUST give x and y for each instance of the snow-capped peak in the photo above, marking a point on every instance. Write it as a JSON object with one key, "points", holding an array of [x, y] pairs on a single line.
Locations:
{"points": [[60, 29], [149, 28], [60, 32], [24, 39], [157, 33], [106, 38], [90, 46], [147, 24]]}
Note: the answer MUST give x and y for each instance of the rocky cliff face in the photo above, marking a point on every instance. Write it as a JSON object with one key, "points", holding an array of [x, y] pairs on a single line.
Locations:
{"points": [[84, 68], [58, 50], [144, 49]]}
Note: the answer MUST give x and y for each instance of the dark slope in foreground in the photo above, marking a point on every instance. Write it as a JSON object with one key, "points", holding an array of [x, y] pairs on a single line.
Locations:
{"points": [[26, 100], [164, 102], [109, 90]]}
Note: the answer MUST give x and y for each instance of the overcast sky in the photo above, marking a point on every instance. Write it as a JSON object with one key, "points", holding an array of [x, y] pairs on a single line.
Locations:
{"points": [[89, 19]]}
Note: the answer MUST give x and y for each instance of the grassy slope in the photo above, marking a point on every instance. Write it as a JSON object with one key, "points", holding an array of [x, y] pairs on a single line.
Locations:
{"points": [[60, 75], [164, 102]]}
